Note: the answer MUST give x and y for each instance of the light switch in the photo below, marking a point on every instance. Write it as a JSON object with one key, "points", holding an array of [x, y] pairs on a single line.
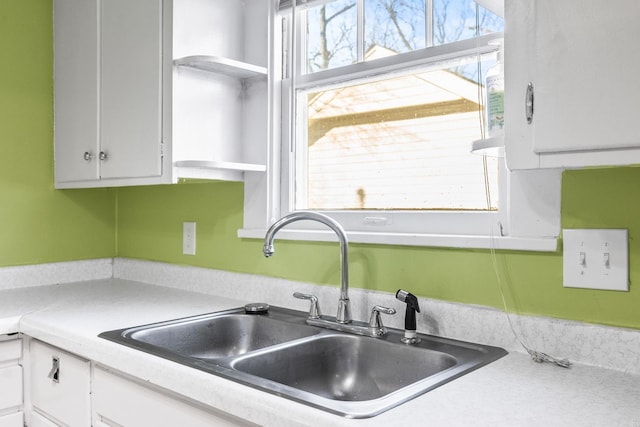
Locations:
{"points": [[596, 259], [189, 238]]}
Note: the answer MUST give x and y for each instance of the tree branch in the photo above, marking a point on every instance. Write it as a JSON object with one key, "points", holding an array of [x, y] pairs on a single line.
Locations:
{"points": [[340, 12], [394, 18]]}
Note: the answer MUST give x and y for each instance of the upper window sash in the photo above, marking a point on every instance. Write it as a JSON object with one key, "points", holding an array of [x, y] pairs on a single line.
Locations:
{"points": [[495, 6], [434, 55], [285, 6]]}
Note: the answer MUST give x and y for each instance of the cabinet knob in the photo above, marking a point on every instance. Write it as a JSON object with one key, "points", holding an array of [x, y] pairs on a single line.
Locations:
{"points": [[103, 155], [88, 155]]}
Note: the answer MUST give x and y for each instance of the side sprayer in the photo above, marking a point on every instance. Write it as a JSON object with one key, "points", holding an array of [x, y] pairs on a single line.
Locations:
{"points": [[410, 334]]}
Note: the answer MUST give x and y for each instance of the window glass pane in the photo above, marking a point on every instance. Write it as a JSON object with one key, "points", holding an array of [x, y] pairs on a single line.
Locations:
{"points": [[390, 27], [331, 35], [401, 143], [396, 25], [457, 20]]}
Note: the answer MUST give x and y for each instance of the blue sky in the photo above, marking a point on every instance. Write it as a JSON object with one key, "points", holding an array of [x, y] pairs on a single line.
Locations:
{"points": [[452, 20]]}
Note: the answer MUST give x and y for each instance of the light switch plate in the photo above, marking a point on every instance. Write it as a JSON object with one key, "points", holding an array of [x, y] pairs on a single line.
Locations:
{"points": [[189, 238], [595, 259]]}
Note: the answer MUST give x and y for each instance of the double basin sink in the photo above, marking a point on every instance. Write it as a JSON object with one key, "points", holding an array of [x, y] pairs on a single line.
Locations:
{"points": [[277, 352]]}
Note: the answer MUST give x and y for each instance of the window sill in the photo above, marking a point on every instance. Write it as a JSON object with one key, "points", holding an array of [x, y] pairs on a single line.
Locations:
{"points": [[534, 244]]}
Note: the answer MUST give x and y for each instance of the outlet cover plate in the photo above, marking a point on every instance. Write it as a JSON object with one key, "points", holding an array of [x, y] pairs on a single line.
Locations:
{"points": [[596, 259]]}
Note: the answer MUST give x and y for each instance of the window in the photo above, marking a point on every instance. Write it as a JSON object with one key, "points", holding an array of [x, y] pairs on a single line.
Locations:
{"points": [[375, 104], [386, 98]]}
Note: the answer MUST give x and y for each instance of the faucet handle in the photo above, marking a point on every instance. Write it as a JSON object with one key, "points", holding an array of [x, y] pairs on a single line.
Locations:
{"points": [[314, 310], [376, 321]]}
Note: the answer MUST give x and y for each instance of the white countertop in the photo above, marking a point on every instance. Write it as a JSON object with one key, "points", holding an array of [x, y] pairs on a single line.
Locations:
{"points": [[513, 391]]}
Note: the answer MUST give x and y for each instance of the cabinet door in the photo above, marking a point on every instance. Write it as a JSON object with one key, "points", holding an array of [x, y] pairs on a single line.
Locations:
{"points": [[586, 85], [76, 59], [60, 385], [582, 59], [131, 88]]}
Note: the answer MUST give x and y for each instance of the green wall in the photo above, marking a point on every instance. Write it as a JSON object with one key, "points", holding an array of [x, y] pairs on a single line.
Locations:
{"points": [[37, 223], [150, 227]]}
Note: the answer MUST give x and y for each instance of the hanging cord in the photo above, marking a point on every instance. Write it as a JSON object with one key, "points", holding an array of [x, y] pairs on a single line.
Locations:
{"points": [[537, 356], [481, 115]]}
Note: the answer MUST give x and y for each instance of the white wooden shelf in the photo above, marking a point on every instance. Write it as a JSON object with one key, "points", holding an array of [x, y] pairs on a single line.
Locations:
{"points": [[492, 147], [220, 65], [215, 170]]}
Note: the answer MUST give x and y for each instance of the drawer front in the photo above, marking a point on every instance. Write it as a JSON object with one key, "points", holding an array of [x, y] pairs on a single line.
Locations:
{"points": [[10, 387], [12, 420], [60, 385], [38, 420], [121, 402], [10, 350]]}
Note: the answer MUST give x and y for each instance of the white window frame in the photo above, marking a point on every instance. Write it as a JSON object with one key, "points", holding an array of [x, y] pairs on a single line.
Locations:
{"points": [[529, 204]]}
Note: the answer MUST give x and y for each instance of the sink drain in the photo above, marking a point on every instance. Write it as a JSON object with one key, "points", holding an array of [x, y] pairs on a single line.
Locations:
{"points": [[256, 308]]}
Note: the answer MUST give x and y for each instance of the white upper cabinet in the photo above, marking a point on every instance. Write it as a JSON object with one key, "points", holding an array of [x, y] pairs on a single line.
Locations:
{"points": [[151, 91], [582, 61]]}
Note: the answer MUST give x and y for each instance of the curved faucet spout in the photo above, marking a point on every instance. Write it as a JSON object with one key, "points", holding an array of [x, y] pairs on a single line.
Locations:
{"points": [[344, 309]]}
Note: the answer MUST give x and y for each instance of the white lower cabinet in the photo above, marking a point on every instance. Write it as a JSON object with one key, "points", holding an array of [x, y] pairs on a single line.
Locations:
{"points": [[118, 401], [65, 390], [15, 419], [60, 387], [11, 391]]}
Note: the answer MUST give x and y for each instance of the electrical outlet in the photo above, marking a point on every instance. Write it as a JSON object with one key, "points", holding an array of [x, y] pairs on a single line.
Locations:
{"points": [[595, 259], [189, 238]]}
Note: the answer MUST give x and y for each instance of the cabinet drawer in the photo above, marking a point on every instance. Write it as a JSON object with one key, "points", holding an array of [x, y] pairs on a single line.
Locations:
{"points": [[38, 420], [10, 350], [12, 420], [10, 387], [121, 402], [60, 385]]}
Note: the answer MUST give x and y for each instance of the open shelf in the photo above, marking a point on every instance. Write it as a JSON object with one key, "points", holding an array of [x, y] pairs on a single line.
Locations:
{"points": [[492, 147], [220, 65], [215, 170]]}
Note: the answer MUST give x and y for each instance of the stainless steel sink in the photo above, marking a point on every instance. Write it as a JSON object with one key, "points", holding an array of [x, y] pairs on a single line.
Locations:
{"points": [[350, 368], [216, 336], [350, 375]]}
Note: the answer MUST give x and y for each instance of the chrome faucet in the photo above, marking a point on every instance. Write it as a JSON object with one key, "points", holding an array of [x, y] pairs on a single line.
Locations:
{"points": [[344, 308], [343, 321]]}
